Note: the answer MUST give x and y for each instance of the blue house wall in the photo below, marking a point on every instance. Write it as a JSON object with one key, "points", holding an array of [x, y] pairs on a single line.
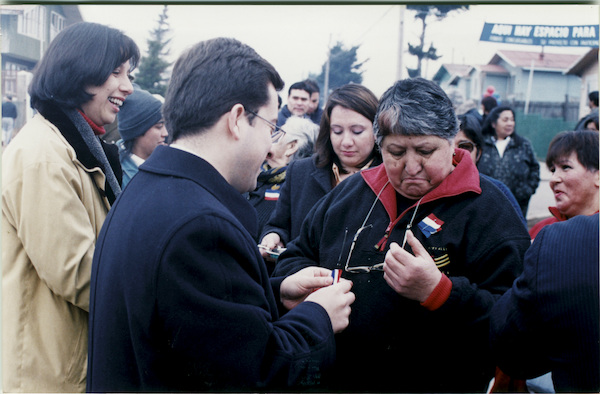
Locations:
{"points": [[547, 86]]}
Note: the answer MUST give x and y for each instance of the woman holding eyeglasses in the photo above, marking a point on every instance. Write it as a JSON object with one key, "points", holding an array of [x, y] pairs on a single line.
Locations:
{"points": [[421, 239], [345, 145], [470, 139], [58, 182]]}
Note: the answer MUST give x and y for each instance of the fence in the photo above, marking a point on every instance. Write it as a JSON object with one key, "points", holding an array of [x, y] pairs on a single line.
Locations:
{"points": [[540, 130]]}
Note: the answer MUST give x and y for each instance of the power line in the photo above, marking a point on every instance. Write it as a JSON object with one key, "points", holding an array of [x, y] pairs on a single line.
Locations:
{"points": [[375, 23]]}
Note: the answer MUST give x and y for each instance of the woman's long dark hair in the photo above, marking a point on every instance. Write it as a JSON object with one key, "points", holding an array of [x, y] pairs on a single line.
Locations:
{"points": [[356, 98]]}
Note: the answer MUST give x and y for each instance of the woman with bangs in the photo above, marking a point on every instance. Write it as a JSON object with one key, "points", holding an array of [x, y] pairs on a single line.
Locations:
{"points": [[428, 254], [345, 145], [573, 161], [58, 183]]}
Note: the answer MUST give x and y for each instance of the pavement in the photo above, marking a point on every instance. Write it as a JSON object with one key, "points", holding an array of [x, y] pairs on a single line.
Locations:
{"points": [[542, 199]]}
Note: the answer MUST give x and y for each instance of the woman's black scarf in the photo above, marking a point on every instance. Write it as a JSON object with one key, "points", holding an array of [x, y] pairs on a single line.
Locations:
{"points": [[90, 150]]}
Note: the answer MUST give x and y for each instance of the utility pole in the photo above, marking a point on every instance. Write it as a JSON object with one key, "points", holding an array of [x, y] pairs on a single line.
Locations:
{"points": [[400, 43], [326, 81]]}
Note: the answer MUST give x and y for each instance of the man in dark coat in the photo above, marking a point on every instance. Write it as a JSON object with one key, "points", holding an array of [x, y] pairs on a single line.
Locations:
{"points": [[593, 104], [297, 102], [180, 296], [549, 320]]}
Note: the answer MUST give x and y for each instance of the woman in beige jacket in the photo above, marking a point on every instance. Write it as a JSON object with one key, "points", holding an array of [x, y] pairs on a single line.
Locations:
{"points": [[58, 183]]}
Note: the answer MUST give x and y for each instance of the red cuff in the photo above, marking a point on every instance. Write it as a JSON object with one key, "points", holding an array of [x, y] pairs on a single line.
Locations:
{"points": [[439, 295]]}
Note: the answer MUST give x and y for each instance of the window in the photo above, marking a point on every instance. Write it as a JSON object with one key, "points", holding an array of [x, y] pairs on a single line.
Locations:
{"points": [[57, 23], [32, 22]]}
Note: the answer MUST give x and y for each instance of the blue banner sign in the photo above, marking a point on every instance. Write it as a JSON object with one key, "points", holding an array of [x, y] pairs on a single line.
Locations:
{"points": [[562, 36]]}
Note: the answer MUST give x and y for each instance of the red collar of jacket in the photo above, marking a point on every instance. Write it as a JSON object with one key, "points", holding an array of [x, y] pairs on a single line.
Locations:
{"points": [[464, 178], [556, 213]]}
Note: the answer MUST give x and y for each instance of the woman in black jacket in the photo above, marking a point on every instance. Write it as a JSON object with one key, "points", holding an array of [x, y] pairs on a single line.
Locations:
{"points": [[345, 145], [421, 239], [508, 157]]}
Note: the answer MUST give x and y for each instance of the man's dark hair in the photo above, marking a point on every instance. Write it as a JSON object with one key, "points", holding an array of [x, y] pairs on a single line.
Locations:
{"points": [[82, 55], [209, 79], [312, 85], [488, 103], [593, 96], [300, 86], [583, 142]]}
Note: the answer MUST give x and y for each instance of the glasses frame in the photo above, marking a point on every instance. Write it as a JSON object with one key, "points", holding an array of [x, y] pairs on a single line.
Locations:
{"points": [[276, 131], [365, 269], [473, 146]]}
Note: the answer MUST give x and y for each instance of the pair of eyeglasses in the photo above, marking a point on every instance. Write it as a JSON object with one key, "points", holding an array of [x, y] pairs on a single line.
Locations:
{"points": [[276, 131], [361, 268], [466, 145], [379, 266]]}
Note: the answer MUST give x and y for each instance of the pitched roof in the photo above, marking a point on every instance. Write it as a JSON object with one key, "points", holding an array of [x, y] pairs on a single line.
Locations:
{"points": [[549, 61], [457, 69], [584, 62], [493, 69]]}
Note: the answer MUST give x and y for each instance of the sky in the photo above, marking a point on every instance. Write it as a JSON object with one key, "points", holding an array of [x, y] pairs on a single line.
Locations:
{"points": [[296, 38]]}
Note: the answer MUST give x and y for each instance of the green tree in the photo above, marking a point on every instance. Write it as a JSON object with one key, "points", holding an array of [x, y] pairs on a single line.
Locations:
{"points": [[343, 68], [422, 13], [151, 74]]}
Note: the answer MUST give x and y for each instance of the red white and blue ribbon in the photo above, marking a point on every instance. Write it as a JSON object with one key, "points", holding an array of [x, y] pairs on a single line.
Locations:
{"points": [[272, 195], [430, 225]]}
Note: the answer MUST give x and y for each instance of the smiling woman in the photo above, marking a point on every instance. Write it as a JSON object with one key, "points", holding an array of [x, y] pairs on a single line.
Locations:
{"points": [[58, 183], [573, 161]]}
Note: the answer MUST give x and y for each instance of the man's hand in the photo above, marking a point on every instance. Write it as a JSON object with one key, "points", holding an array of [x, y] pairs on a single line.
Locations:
{"points": [[336, 300], [414, 277], [270, 241], [295, 288]]}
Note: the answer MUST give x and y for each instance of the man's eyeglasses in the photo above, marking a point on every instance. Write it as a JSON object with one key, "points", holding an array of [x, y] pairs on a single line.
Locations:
{"points": [[466, 145], [276, 131]]}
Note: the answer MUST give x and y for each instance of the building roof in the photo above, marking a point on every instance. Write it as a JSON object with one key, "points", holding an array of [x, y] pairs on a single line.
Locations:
{"points": [[547, 61], [72, 14], [11, 9], [458, 69], [493, 69], [584, 62], [453, 71]]}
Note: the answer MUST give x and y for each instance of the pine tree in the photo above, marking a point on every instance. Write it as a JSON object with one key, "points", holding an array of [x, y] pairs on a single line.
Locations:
{"points": [[343, 68], [422, 12], [151, 72]]}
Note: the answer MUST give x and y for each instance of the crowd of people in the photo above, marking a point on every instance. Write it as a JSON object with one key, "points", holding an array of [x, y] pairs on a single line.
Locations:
{"points": [[229, 243]]}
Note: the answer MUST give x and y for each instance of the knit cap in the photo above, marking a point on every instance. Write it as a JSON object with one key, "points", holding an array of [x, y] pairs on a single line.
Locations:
{"points": [[140, 111]]}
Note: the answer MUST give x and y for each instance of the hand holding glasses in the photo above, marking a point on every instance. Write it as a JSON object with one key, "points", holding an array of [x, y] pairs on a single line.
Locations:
{"points": [[412, 276], [379, 266]]}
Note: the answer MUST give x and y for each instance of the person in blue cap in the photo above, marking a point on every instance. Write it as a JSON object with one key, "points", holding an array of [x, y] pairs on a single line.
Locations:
{"points": [[142, 129]]}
